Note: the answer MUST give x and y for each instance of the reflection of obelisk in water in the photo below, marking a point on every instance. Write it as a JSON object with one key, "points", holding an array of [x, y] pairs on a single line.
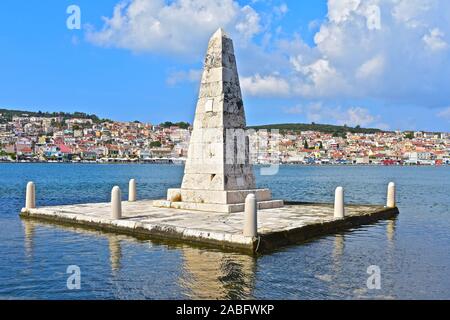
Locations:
{"points": [[218, 275], [115, 252], [28, 228]]}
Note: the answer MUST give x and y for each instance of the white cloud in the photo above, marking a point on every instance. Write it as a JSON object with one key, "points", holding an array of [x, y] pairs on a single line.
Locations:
{"points": [[317, 78], [265, 86], [340, 10], [179, 27], [435, 40], [357, 116], [352, 116], [281, 10], [248, 25], [392, 51], [411, 12], [371, 68]]}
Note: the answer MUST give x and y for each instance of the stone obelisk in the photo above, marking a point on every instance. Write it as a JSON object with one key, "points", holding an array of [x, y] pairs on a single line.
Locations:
{"points": [[218, 174]]}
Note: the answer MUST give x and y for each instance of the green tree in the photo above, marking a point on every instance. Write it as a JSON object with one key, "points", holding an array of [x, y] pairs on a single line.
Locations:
{"points": [[183, 125], [166, 124], [155, 144]]}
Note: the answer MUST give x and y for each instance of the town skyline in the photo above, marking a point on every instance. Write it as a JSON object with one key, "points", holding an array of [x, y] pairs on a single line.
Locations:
{"points": [[380, 64], [106, 117], [80, 137]]}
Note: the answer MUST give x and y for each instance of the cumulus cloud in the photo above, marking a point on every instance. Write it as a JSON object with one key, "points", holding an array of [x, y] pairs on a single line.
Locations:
{"points": [[435, 40], [370, 68], [340, 10], [352, 116], [318, 78], [387, 50], [265, 86], [392, 51], [178, 27]]}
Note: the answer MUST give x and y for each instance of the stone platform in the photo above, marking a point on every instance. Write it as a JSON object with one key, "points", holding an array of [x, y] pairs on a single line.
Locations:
{"points": [[293, 223]]}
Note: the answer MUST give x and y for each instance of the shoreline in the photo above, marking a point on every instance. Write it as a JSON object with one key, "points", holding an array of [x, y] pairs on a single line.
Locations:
{"points": [[257, 164]]}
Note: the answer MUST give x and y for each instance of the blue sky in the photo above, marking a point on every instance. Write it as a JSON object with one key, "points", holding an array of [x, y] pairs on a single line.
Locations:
{"points": [[377, 63]]}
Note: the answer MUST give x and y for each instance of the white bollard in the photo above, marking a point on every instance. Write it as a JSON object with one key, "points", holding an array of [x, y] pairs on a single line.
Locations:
{"points": [[30, 199], [250, 217], [132, 191], [339, 203], [116, 203], [391, 203]]}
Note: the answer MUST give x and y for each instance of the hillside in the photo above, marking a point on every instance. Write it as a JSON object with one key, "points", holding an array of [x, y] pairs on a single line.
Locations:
{"points": [[324, 128], [7, 115]]}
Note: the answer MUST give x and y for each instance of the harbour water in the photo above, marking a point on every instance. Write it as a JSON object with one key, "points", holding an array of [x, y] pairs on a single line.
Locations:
{"points": [[412, 251]]}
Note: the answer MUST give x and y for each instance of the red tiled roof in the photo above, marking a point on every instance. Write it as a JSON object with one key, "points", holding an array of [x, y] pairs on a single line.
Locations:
{"points": [[64, 149]]}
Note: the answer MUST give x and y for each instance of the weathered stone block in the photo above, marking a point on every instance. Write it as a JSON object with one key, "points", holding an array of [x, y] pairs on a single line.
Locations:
{"points": [[223, 197], [174, 195]]}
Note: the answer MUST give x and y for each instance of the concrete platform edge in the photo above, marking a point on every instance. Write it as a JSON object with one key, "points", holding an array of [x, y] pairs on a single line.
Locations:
{"points": [[263, 244]]}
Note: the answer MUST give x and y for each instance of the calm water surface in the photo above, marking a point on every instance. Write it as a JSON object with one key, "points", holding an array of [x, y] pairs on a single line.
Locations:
{"points": [[413, 251]]}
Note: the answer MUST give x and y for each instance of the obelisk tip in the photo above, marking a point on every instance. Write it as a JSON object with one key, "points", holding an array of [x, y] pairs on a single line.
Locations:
{"points": [[220, 33]]}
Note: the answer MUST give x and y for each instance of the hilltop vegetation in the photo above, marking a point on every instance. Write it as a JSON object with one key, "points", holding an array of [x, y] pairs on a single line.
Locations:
{"points": [[324, 128], [9, 114], [182, 125]]}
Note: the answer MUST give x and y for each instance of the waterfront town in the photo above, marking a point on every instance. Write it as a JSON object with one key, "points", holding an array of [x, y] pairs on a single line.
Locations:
{"points": [[43, 138]]}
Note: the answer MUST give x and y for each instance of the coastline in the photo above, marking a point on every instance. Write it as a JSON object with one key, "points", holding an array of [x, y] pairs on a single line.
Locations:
{"points": [[180, 163]]}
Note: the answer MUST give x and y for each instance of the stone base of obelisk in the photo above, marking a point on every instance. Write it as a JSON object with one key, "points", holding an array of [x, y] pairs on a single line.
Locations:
{"points": [[216, 200]]}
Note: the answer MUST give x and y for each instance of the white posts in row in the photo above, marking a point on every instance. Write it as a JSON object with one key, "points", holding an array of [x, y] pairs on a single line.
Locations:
{"points": [[116, 199], [391, 203], [132, 191], [339, 209], [339, 203], [251, 216], [116, 203], [251, 206], [30, 198]]}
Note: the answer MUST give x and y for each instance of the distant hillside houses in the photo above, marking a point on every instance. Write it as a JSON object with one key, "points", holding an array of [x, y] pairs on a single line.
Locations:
{"points": [[65, 137]]}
